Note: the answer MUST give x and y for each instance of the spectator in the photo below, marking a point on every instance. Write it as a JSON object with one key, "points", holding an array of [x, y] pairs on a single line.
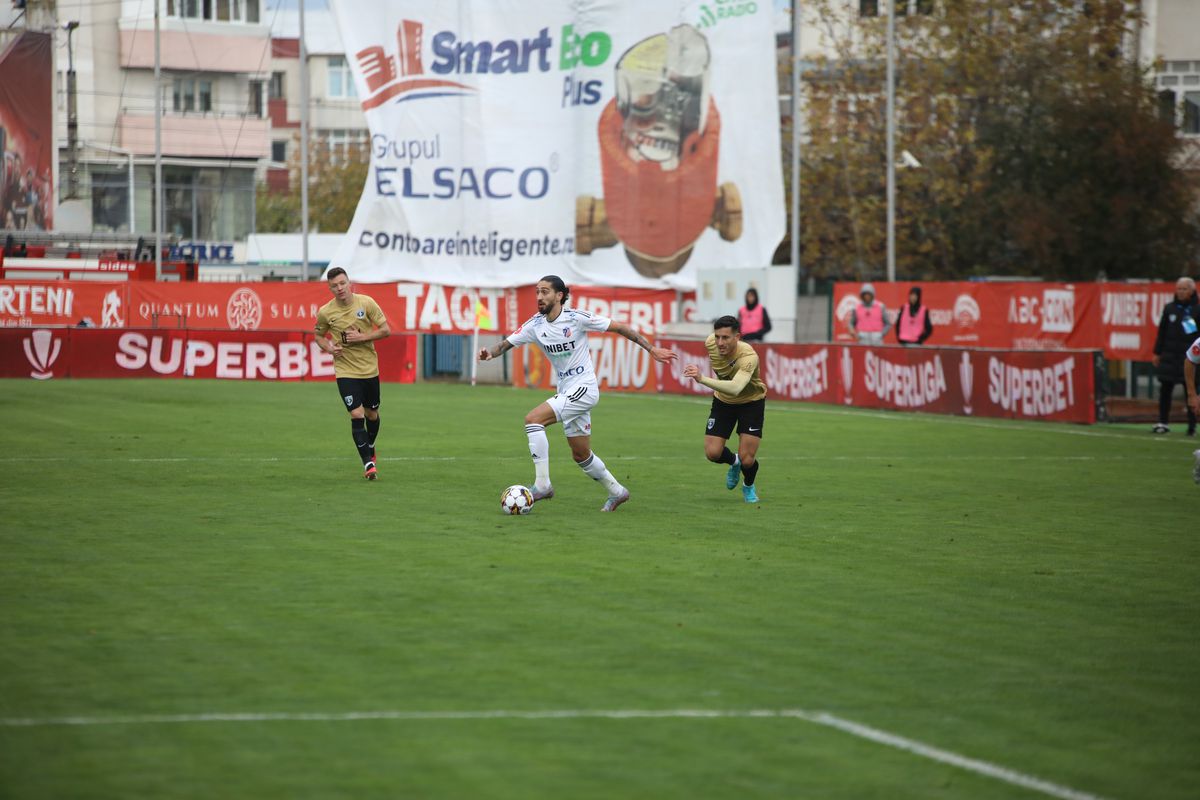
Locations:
{"points": [[913, 326], [1176, 330], [755, 321], [868, 320]]}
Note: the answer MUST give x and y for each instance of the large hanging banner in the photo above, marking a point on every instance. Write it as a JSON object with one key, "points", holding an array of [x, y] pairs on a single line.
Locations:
{"points": [[611, 142], [27, 133]]}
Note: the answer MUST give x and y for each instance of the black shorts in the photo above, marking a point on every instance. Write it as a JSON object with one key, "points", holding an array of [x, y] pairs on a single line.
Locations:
{"points": [[748, 416], [357, 392]]}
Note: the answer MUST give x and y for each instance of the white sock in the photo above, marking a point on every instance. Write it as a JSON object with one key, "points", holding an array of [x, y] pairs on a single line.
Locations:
{"points": [[539, 449], [595, 468]]}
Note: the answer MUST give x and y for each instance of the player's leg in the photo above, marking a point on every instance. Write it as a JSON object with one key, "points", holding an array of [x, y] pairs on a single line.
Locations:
{"points": [[371, 411], [718, 428], [750, 426], [1166, 393], [352, 392], [576, 416], [539, 447]]}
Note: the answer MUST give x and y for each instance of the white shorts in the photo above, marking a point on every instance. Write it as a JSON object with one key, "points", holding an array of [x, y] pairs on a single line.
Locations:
{"points": [[870, 337], [574, 409]]}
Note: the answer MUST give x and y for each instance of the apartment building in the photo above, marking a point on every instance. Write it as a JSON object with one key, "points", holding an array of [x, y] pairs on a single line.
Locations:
{"points": [[336, 119]]}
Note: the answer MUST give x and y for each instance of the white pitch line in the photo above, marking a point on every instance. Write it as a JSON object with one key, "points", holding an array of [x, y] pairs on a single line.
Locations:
{"points": [[912, 746]]}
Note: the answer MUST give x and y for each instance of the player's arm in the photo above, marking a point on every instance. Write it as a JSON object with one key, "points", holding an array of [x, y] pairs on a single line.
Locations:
{"points": [[487, 354], [733, 386], [382, 331], [323, 341], [657, 353]]}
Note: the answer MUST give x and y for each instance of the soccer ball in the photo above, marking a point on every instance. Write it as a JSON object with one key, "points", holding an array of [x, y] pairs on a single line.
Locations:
{"points": [[516, 500]]}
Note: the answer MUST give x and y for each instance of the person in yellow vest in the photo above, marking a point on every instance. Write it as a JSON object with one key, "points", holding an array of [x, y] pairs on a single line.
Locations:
{"points": [[868, 320], [913, 326], [356, 322], [739, 396]]}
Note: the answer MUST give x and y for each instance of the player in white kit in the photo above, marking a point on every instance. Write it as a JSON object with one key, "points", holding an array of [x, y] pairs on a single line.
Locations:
{"points": [[1193, 395], [562, 332]]}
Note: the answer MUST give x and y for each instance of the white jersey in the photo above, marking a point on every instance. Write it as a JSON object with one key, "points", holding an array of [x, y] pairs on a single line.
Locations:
{"points": [[565, 343], [1193, 353]]}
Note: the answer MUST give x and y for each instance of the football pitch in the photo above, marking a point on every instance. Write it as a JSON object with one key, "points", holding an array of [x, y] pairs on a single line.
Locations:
{"points": [[201, 597]]}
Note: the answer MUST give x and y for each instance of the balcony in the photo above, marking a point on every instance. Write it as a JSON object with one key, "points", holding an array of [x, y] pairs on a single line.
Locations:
{"points": [[197, 135], [200, 48]]}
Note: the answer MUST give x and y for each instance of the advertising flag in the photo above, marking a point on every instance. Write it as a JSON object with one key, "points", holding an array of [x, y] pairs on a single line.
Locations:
{"points": [[610, 142]]}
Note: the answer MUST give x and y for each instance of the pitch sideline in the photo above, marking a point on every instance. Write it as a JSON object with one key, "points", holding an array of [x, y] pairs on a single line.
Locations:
{"points": [[912, 746]]}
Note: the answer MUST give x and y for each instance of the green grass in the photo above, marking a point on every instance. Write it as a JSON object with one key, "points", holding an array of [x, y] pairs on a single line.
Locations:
{"points": [[1024, 594]]}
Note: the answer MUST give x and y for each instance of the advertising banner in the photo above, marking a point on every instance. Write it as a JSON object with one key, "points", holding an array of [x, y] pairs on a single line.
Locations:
{"points": [[31, 303], [45, 353], [610, 142], [1119, 319], [26, 134], [1046, 385]]}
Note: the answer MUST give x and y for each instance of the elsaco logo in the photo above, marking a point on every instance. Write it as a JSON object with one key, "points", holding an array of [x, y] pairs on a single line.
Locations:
{"points": [[402, 76]]}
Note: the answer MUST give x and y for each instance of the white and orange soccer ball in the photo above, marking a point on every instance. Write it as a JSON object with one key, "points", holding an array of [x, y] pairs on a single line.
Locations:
{"points": [[516, 500]]}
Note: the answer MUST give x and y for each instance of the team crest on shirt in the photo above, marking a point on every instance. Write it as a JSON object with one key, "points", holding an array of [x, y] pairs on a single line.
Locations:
{"points": [[567, 332], [360, 313]]}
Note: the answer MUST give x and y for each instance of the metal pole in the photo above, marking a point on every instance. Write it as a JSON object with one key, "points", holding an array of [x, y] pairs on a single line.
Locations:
{"points": [[891, 139], [795, 233], [72, 116], [131, 184], [303, 149], [158, 193]]}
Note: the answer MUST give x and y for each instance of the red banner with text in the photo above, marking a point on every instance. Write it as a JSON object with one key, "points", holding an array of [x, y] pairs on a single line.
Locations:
{"points": [[45, 353], [1048, 385], [1119, 319]]}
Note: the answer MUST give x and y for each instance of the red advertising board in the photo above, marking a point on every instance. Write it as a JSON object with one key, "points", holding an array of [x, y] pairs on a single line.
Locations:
{"points": [[1120, 319], [1047, 385], [36, 303], [45, 353]]}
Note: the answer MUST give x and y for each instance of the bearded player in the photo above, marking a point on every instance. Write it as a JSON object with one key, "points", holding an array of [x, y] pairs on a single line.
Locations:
{"points": [[562, 333], [739, 397]]}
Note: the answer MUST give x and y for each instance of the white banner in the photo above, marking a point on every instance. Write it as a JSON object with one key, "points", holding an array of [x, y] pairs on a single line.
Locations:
{"points": [[611, 142]]}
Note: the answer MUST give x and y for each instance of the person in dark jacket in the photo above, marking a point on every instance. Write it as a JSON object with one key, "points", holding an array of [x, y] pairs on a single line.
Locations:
{"points": [[753, 318], [1176, 331], [913, 325]]}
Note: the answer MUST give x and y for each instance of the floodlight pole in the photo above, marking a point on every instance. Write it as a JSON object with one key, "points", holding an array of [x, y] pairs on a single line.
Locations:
{"points": [[795, 109], [891, 139], [158, 193], [303, 150]]}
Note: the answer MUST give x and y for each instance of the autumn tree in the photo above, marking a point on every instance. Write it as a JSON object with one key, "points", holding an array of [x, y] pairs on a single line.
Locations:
{"points": [[336, 176], [1041, 148]]}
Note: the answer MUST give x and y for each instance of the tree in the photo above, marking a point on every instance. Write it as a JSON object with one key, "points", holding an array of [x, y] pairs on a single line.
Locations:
{"points": [[1041, 147], [336, 176]]}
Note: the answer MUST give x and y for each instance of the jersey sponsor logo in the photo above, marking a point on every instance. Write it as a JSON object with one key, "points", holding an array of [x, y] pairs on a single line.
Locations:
{"points": [[569, 372]]}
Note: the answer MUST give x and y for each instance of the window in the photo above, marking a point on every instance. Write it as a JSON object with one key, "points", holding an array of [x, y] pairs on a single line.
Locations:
{"points": [[190, 94], [341, 82], [868, 8], [276, 88], [216, 10], [279, 152], [110, 199], [925, 6], [1191, 113], [256, 107], [1166, 106], [340, 142]]}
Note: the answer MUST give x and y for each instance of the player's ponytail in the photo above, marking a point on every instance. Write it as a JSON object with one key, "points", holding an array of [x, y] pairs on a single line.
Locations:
{"points": [[556, 283]]}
